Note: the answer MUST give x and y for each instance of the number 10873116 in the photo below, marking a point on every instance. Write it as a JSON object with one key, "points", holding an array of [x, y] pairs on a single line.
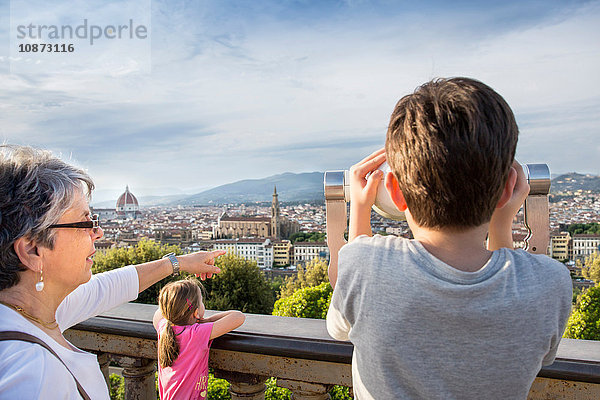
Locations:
{"points": [[46, 48]]}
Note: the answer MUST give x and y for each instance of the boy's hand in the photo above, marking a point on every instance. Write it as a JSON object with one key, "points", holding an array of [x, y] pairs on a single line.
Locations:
{"points": [[363, 192], [500, 231]]}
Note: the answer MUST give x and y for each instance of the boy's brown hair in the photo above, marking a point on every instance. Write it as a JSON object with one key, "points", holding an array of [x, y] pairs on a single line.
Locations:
{"points": [[450, 145], [177, 302]]}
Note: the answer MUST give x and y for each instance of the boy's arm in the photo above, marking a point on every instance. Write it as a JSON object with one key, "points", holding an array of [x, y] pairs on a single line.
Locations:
{"points": [[363, 192], [362, 196], [227, 323], [514, 194]]}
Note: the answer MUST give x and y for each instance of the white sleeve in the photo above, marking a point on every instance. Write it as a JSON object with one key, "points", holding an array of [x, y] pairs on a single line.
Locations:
{"points": [[338, 327], [32, 372], [103, 292]]}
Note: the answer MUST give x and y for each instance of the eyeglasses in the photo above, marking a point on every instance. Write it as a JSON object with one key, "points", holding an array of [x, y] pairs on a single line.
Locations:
{"points": [[94, 224]]}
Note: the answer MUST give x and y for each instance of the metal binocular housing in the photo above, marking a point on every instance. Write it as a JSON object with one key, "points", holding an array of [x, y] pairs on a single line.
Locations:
{"points": [[536, 211]]}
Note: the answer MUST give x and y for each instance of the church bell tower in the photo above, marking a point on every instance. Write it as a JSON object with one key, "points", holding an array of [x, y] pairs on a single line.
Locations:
{"points": [[275, 219]]}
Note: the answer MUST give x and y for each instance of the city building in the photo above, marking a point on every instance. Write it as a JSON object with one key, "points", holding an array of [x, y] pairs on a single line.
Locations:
{"points": [[282, 252], [560, 245], [178, 236], [307, 251], [254, 249], [584, 245], [127, 205], [519, 240], [105, 214], [276, 226], [202, 234]]}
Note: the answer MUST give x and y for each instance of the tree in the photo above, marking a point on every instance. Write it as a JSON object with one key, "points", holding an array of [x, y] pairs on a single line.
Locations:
{"points": [[590, 228], [591, 268], [240, 286], [584, 322], [312, 274], [146, 250], [308, 237], [309, 302]]}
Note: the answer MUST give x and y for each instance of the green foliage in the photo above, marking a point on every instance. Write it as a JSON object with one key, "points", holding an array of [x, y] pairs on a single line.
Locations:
{"points": [[591, 228], [145, 251], [584, 322], [308, 237], [276, 283], [591, 268], [340, 393], [310, 302], [117, 387], [312, 274], [218, 389], [576, 293], [240, 286], [274, 392]]}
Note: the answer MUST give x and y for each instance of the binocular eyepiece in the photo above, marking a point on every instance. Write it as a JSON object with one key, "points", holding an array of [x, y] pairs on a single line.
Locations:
{"points": [[536, 213]]}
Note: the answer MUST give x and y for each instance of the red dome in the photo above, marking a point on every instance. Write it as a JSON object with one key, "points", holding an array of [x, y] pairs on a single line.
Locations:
{"points": [[126, 199]]}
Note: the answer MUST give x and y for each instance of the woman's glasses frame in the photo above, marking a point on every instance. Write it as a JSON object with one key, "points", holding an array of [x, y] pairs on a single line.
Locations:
{"points": [[93, 224]]}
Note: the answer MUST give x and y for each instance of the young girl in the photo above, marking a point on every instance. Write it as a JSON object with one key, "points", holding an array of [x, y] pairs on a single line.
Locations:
{"points": [[184, 337]]}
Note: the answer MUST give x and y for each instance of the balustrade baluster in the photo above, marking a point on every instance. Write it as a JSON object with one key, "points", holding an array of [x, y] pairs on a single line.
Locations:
{"points": [[140, 382], [244, 386], [103, 361]]}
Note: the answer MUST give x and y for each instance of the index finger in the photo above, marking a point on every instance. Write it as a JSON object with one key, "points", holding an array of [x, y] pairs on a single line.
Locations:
{"points": [[372, 155], [217, 253]]}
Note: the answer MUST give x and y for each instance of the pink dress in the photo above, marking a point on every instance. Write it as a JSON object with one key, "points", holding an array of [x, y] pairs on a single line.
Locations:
{"points": [[187, 378]]}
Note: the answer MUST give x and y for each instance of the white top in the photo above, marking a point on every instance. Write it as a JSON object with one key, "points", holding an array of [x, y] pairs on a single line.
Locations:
{"points": [[29, 371]]}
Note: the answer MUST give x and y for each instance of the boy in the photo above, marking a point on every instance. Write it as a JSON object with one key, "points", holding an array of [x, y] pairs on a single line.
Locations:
{"points": [[441, 316]]}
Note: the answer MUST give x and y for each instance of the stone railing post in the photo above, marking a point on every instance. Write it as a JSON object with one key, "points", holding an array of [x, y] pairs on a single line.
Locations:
{"points": [[244, 386], [305, 390], [103, 361], [138, 373]]}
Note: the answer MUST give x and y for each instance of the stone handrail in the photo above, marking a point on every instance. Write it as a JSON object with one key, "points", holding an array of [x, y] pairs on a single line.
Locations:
{"points": [[298, 352]]}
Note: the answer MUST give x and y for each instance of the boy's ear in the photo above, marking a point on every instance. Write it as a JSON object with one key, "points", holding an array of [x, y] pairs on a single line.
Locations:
{"points": [[28, 253], [509, 186], [392, 187]]}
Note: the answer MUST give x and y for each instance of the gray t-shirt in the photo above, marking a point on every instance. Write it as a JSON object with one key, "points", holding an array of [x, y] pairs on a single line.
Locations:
{"points": [[422, 329]]}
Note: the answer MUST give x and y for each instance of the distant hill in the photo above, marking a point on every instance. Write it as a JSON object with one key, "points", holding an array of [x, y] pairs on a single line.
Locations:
{"points": [[307, 186], [573, 182]]}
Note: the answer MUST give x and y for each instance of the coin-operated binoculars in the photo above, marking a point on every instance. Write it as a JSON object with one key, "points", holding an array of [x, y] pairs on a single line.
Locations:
{"points": [[337, 194]]}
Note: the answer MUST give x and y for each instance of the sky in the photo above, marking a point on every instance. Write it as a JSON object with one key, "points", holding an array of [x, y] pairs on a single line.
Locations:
{"points": [[220, 91]]}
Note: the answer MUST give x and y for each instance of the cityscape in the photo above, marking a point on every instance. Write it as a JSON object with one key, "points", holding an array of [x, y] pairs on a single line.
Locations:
{"points": [[267, 233]]}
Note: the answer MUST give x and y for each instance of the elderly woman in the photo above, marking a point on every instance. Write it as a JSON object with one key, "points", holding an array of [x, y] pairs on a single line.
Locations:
{"points": [[47, 240]]}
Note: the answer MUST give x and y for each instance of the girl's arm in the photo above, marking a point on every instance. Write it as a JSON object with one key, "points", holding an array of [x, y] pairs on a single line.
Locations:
{"points": [[156, 318], [217, 316], [225, 322]]}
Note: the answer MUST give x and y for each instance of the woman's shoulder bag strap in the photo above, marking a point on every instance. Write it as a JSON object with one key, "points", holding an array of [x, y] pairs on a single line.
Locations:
{"points": [[14, 335]]}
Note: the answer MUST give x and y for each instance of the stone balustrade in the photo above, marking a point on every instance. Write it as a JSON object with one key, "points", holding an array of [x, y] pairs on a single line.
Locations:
{"points": [[298, 352]]}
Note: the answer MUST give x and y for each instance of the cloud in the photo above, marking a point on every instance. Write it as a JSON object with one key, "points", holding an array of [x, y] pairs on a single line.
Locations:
{"points": [[246, 90]]}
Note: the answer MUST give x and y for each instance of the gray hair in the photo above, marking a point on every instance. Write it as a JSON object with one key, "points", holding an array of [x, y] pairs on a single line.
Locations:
{"points": [[36, 189]]}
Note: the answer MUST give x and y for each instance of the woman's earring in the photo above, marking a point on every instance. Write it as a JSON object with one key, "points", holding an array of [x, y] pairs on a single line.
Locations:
{"points": [[40, 285]]}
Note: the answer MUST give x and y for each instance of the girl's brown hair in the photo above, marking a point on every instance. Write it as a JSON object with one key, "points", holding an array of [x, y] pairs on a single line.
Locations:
{"points": [[177, 302]]}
